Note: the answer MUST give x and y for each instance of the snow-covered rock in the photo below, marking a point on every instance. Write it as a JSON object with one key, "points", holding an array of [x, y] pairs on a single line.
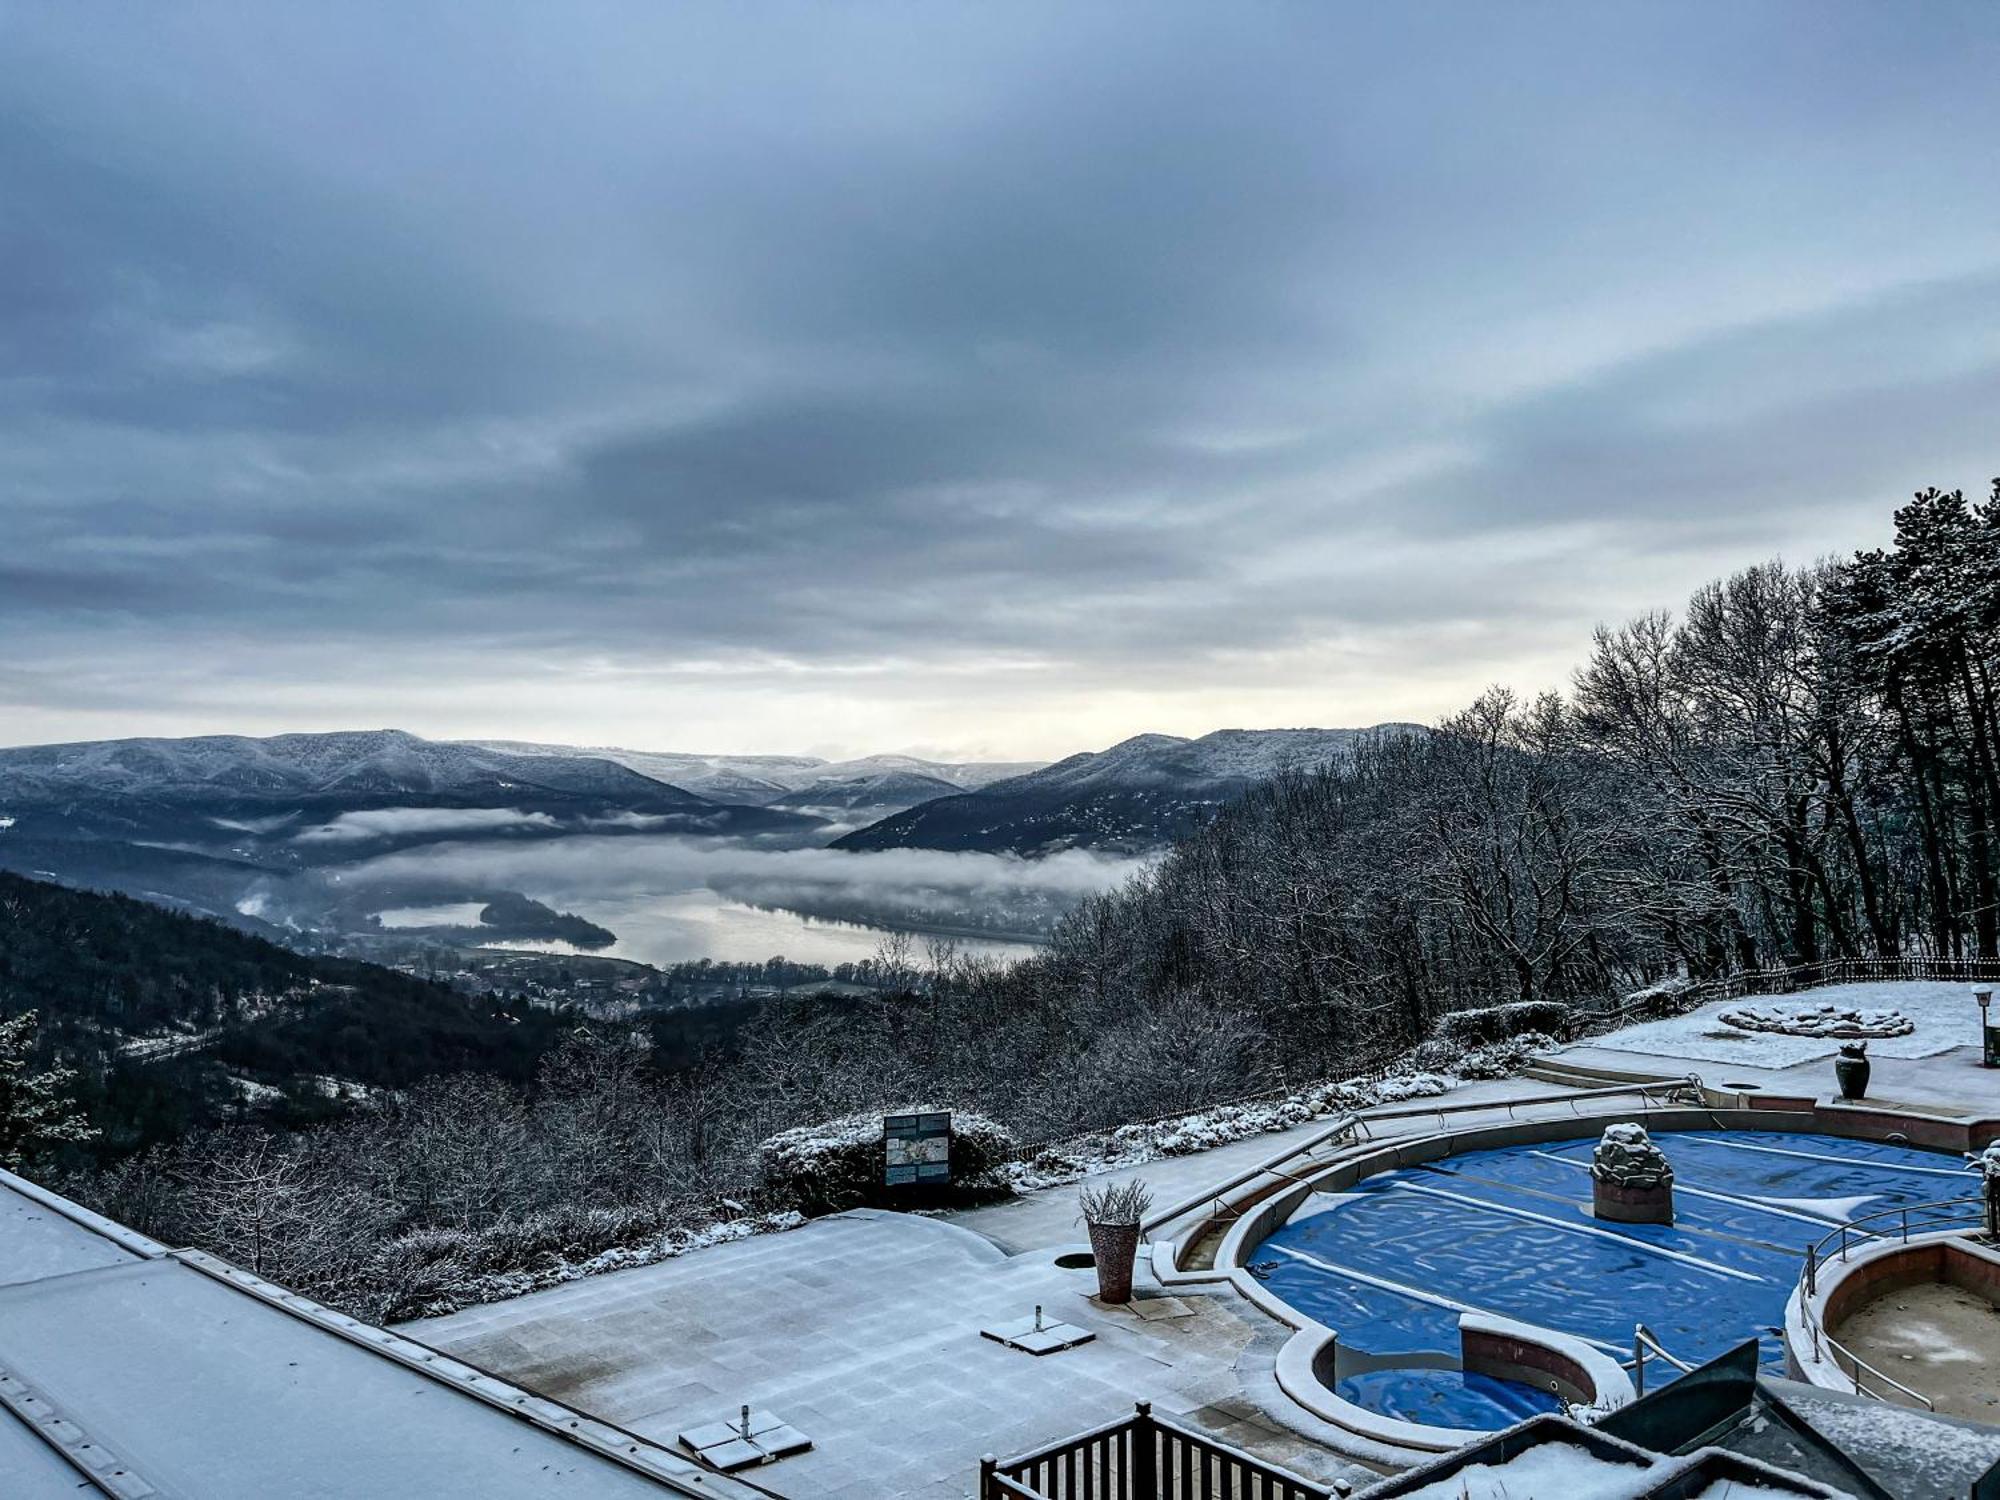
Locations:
{"points": [[1820, 1020]]}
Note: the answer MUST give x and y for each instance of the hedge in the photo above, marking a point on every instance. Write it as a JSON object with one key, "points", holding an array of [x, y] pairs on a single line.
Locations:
{"points": [[1499, 1023], [821, 1169]]}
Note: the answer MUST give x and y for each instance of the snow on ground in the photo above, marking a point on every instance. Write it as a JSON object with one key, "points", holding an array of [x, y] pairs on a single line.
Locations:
{"points": [[1943, 1013]]}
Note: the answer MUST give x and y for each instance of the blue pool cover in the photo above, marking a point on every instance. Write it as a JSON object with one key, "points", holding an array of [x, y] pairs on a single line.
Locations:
{"points": [[1447, 1398], [1391, 1263]]}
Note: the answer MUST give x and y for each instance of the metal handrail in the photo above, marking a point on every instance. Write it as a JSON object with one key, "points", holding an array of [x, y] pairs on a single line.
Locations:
{"points": [[1824, 1342], [1848, 1233], [1644, 1339], [1644, 1088], [1214, 1193], [1851, 1229]]}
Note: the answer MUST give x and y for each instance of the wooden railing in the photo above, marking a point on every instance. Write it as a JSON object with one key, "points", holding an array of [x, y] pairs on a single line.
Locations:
{"points": [[1143, 1457]]}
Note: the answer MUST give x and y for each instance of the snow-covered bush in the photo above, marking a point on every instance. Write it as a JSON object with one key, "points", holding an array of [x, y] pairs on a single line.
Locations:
{"points": [[1502, 1059], [1135, 1145], [436, 1271], [1667, 998], [826, 1168], [1499, 1023]]}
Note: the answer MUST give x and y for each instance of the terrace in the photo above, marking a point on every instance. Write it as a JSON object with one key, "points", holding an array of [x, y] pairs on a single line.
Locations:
{"points": [[1319, 1307]]}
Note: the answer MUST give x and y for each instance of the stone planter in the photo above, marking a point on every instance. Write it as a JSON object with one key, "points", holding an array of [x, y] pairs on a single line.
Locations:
{"points": [[1115, 1247], [1626, 1203], [1631, 1180], [1851, 1069]]}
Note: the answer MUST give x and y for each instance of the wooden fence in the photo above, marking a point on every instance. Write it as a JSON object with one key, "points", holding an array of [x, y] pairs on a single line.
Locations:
{"points": [[1143, 1457], [1790, 980]]}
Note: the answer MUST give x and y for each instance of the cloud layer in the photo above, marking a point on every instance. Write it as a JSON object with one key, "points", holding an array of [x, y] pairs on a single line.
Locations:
{"points": [[978, 379]]}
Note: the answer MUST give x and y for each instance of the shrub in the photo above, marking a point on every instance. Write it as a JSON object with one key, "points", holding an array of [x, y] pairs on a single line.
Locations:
{"points": [[1499, 1023], [826, 1168], [1115, 1202], [1670, 997]]}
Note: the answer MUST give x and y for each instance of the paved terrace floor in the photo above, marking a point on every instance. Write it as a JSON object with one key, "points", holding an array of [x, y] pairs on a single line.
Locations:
{"points": [[862, 1330], [1950, 1083]]}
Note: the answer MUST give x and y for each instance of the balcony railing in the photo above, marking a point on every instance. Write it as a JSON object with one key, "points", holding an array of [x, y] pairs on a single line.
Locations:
{"points": [[1143, 1457]]}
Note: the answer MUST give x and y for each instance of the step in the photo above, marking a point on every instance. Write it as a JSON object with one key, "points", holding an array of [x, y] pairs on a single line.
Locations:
{"points": [[1573, 1074]]}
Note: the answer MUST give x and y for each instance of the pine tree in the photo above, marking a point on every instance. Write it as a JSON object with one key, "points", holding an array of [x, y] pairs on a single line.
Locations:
{"points": [[36, 1109]]}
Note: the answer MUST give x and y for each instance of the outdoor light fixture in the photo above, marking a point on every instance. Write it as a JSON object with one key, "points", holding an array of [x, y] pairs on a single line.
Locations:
{"points": [[1989, 1046]]}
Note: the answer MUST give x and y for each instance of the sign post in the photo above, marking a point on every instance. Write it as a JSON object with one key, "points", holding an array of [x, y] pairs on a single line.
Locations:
{"points": [[916, 1149]]}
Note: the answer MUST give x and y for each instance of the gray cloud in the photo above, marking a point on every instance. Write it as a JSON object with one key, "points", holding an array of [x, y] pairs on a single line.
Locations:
{"points": [[999, 378], [401, 822]]}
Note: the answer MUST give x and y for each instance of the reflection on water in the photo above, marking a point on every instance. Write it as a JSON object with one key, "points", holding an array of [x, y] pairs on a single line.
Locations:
{"points": [[674, 927], [450, 914]]}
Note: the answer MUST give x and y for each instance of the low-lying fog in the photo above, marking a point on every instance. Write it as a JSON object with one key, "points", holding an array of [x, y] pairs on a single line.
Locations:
{"points": [[671, 898]]}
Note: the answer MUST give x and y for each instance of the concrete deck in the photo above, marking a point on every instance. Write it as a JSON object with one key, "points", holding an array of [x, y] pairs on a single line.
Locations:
{"points": [[1950, 1083], [863, 1331]]}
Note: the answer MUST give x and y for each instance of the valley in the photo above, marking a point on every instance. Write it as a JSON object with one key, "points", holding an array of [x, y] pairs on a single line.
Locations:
{"points": [[368, 841]]}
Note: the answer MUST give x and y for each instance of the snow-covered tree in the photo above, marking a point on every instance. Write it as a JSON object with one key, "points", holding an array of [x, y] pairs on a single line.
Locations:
{"points": [[36, 1107]]}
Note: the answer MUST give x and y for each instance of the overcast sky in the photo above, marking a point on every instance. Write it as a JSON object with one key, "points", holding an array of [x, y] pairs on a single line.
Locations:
{"points": [[993, 380]]}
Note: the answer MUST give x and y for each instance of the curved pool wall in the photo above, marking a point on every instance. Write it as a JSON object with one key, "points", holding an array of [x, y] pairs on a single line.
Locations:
{"points": [[1261, 1209]]}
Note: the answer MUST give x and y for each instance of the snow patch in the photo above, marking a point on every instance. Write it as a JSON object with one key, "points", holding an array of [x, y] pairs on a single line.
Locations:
{"points": [[1942, 1017], [1135, 1145]]}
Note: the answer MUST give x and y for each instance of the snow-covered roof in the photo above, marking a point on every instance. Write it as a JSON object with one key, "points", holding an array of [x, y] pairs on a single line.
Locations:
{"points": [[172, 1373]]}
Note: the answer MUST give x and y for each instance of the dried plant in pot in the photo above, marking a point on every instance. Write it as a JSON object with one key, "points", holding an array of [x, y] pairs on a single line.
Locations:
{"points": [[1113, 1213]]}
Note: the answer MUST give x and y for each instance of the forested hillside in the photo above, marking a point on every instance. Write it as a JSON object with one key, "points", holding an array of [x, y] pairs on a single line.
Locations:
{"points": [[1804, 763], [174, 1021]]}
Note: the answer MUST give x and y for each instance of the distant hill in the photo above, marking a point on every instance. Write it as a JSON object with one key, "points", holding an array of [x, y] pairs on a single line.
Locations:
{"points": [[209, 821], [231, 790], [1137, 796], [865, 798], [176, 1021], [765, 779]]}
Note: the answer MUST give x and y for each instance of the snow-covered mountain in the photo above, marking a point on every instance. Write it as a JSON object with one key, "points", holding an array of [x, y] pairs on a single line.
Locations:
{"points": [[767, 778], [313, 797], [1140, 794], [309, 767]]}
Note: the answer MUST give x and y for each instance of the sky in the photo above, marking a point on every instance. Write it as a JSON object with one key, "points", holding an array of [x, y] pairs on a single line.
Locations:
{"points": [[974, 381]]}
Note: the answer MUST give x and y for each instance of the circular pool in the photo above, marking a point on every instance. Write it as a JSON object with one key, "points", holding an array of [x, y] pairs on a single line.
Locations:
{"points": [[1392, 1263]]}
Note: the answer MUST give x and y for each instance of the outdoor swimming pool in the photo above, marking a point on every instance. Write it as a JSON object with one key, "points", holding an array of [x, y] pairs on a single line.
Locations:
{"points": [[1391, 1263]]}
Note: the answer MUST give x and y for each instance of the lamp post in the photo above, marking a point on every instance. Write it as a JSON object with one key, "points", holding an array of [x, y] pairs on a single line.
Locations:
{"points": [[1989, 1045]]}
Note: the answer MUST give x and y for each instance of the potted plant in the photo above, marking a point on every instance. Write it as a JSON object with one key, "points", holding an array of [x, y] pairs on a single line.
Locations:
{"points": [[1851, 1068], [1113, 1213]]}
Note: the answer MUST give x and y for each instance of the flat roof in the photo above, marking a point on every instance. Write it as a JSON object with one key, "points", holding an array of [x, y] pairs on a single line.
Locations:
{"points": [[174, 1373], [37, 1240], [32, 1469]]}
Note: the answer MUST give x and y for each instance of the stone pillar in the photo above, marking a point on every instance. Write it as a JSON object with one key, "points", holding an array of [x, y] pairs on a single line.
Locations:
{"points": [[1631, 1180]]}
